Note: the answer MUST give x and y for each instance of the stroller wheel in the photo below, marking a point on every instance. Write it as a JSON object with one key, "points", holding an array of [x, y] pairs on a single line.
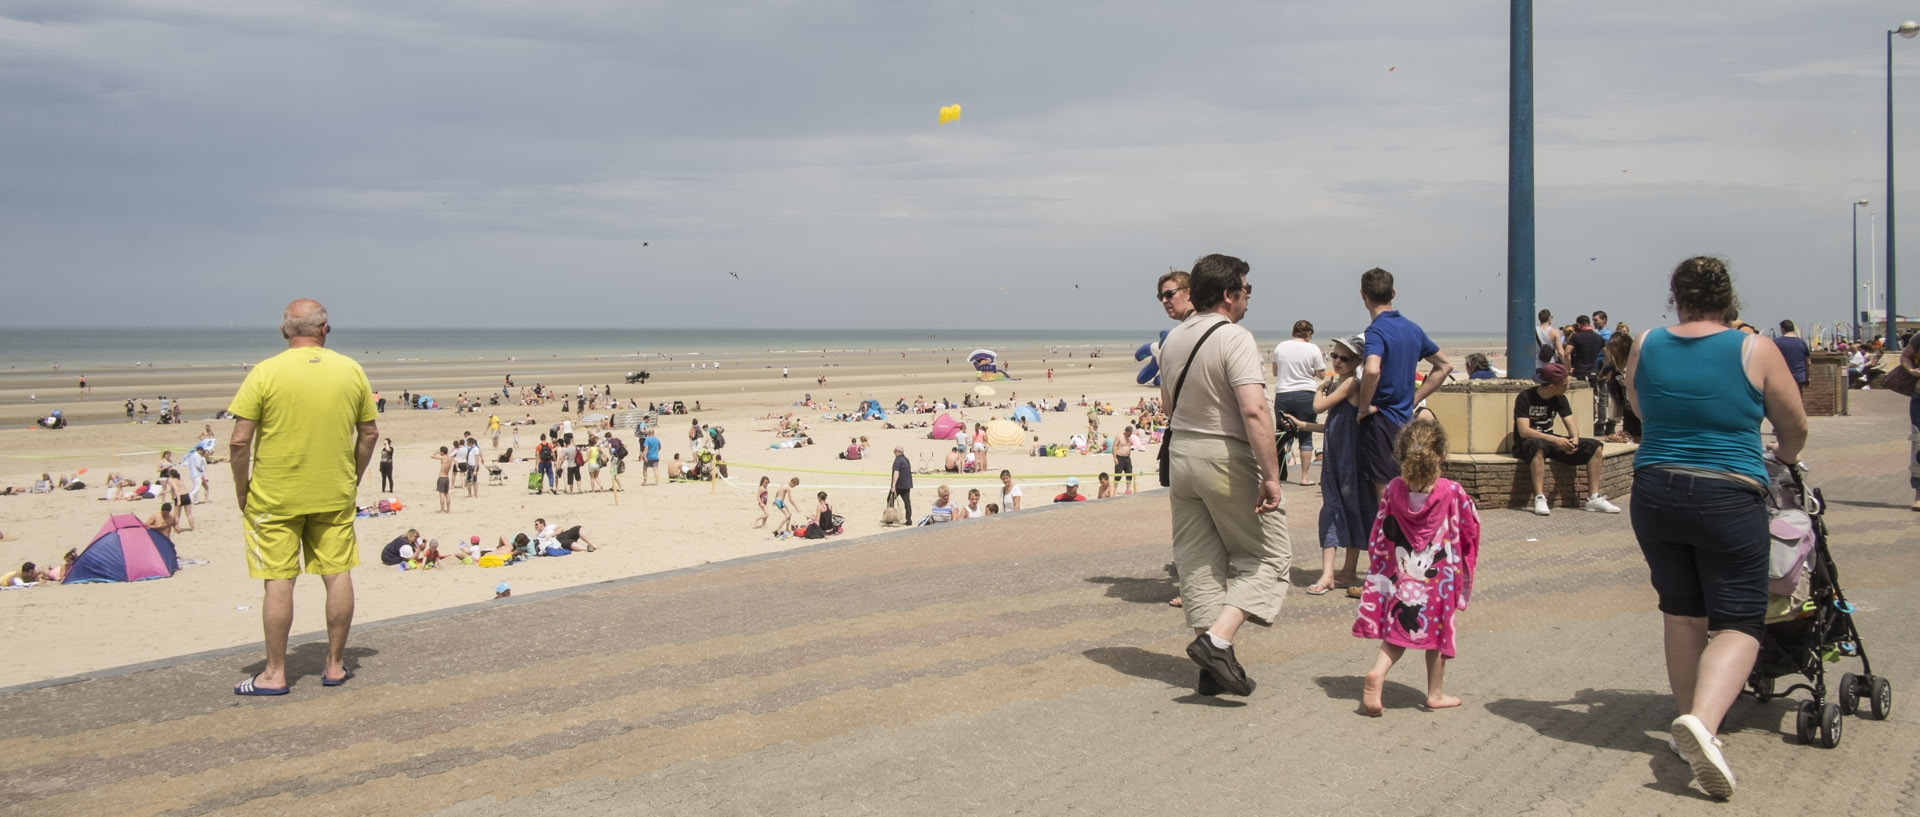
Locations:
{"points": [[1881, 704], [1830, 725], [1849, 694], [1806, 721]]}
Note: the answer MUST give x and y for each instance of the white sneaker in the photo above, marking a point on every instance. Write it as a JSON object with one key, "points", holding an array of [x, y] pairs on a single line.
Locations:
{"points": [[1674, 746], [1540, 505], [1703, 754], [1598, 502]]}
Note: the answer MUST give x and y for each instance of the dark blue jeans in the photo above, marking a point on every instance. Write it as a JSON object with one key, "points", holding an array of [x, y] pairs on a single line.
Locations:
{"points": [[1706, 545]]}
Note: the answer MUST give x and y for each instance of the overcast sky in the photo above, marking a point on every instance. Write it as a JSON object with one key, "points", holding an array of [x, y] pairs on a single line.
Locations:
{"points": [[607, 163]]}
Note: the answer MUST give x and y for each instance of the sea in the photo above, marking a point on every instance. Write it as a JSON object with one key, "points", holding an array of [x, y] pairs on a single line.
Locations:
{"points": [[78, 351]]}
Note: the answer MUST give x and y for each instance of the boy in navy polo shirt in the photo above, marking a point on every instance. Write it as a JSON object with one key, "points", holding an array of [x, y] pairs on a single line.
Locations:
{"points": [[1395, 347]]}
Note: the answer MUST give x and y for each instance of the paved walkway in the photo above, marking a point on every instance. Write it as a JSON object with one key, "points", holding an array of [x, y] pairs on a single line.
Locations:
{"points": [[1026, 664]]}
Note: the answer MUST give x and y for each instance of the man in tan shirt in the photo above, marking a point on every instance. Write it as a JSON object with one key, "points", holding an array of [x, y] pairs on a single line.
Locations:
{"points": [[1228, 520]]}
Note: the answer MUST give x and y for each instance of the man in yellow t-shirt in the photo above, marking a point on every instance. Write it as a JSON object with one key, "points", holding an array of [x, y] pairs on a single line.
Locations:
{"points": [[303, 434]]}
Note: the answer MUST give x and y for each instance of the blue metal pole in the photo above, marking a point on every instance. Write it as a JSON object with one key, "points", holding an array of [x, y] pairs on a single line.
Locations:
{"points": [[1520, 267]]}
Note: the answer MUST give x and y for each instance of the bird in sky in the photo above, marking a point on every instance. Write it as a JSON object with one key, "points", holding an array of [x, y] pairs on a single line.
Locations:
{"points": [[735, 275]]}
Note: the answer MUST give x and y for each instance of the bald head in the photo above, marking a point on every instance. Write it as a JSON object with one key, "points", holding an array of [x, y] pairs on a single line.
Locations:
{"points": [[304, 318]]}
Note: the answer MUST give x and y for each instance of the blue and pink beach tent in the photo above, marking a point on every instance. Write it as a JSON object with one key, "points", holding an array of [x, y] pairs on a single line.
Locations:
{"points": [[125, 550]]}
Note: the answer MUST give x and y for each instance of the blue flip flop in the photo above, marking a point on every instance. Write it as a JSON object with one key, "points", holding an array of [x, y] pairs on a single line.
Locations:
{"points": [[248, 687], [334, 682]]}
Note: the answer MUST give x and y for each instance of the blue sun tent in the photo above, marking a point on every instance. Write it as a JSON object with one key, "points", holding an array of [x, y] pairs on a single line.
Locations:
{"points": [[1025, 412], [125, 550]]}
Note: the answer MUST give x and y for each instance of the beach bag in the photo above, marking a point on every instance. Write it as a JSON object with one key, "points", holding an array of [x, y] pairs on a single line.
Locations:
{"points": [[533, 481], [1898, 381], [579, 458], [1166, 438], [557, 551], [1792, 539], [493, 560], [385, 506]]}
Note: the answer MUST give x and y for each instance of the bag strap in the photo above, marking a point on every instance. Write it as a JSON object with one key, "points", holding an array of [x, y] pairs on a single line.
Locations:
{"points": [[1182, 382]]}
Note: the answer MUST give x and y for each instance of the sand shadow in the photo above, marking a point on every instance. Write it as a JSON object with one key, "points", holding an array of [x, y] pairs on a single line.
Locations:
{"points": [[1174, 671], [307, 661], [1614, 719], [1138, 590]]}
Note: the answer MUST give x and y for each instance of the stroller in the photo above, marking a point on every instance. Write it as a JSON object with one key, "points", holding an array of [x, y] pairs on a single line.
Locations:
{"points": [[1809, 621]]}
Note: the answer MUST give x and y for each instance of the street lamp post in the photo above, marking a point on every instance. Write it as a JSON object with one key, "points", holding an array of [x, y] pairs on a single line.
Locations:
{"points": [[1520, 258], [1907, 30], [1855, 318]]}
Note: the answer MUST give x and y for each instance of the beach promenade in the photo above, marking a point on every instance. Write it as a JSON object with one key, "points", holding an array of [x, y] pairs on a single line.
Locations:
{"points": [[1026, 664]]}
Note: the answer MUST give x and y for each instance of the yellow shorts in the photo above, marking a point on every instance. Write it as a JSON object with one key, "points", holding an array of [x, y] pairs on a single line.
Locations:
{"points": [[276, 545]]}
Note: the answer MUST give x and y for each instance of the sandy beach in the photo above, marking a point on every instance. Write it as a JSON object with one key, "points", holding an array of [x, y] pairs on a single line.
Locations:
{"points": [[58, 631]]}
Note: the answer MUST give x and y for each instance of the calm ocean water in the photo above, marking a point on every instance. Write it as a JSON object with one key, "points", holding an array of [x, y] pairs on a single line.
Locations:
{"points": [[76, 350]]}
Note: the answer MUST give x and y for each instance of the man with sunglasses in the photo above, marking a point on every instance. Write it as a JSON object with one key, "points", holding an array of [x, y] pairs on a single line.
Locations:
{"points": [[1174, 288], [1229, 525]]}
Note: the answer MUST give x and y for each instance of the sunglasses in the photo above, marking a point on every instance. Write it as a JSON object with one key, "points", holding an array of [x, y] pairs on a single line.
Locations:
{"points": [[1167, 294], [1340, 358]]}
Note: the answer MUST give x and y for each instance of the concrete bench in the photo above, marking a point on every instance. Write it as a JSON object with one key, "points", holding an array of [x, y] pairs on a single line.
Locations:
{"points": [[1500, 481]]}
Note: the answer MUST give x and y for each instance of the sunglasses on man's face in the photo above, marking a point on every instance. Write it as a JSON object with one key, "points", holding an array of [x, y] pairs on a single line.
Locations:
{"points": [[1167, 294]]}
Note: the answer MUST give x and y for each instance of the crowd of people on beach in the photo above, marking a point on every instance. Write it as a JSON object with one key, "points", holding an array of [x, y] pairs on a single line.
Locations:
{"points": [[1230, 423]]}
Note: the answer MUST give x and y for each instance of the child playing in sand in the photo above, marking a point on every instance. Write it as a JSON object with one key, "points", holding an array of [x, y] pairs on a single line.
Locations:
{"points": [[784, 501], [1421, 554], [763, 502]]}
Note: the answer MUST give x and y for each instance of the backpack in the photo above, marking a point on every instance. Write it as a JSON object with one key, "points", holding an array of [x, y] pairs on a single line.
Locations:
{"points": [[719, 439], [579, 457], [619, 449], [545, 452]]}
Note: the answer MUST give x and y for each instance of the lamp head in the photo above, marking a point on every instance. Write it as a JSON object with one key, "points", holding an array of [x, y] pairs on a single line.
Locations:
{"points": [[1860, 203], [1908, 29]]}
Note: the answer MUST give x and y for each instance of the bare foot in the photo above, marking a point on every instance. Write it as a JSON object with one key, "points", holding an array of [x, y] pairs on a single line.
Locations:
{"points": [[1442, 701], [1175, 603], [1370, 695]]}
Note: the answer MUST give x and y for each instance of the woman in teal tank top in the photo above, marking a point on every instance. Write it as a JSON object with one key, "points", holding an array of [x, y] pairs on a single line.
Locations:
{"points": [[1701, 390]]}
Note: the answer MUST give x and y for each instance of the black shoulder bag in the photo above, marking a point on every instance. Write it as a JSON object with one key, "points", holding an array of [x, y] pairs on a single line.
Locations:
{"points": [[1166, 438]]}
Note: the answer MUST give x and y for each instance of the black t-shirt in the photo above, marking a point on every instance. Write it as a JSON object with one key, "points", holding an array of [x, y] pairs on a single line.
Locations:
{"points": [[1540, 411], [1587, 345], [390, 555]]}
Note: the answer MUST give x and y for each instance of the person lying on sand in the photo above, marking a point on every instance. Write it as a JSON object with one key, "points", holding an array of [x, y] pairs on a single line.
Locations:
{"points": [[551, 536]]}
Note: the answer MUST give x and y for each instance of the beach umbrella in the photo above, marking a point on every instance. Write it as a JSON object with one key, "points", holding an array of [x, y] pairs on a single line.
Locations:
{"points": [[983, 390], [1005, 433]]}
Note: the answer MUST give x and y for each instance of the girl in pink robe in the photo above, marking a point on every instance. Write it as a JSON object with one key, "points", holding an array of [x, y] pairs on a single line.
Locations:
{"points": [[1422, 551]]}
